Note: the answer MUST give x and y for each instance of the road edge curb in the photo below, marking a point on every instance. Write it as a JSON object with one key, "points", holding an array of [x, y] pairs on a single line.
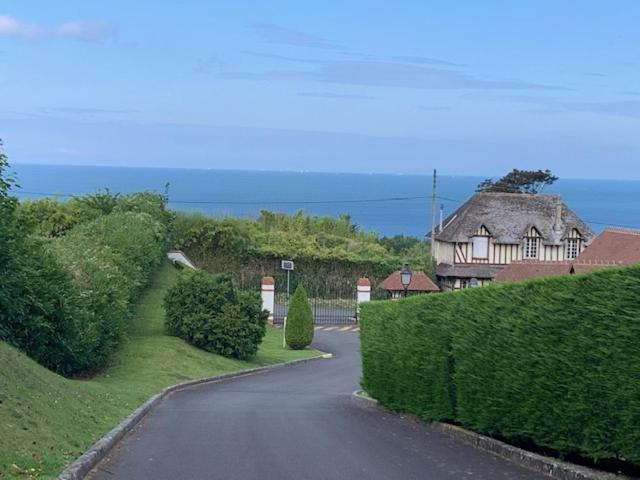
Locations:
{"points": [[86, 462], [551, 467]]}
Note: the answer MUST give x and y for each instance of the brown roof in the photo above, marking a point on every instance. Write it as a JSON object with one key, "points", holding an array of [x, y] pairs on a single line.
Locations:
{"points": [[364, 282], [614, 245], [508, 216], [420, 282], [522, 270]]}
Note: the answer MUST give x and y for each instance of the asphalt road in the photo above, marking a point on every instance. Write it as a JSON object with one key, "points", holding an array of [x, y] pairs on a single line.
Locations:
{"points": [[296, 423]]}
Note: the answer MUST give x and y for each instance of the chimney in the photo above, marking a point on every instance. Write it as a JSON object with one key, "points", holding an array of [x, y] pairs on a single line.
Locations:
{"points": [[557, 226]]}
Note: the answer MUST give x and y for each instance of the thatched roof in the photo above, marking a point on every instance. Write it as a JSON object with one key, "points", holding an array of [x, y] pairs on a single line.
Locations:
{"points": [[508, 216]]}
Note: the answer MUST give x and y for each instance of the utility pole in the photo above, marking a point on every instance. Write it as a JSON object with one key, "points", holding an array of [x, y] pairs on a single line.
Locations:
{"points": [[433, 212]]}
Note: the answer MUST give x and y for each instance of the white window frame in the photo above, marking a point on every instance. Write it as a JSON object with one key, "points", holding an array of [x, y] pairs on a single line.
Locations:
{"points": [[531, 249], [572, 248], [480, 255]]}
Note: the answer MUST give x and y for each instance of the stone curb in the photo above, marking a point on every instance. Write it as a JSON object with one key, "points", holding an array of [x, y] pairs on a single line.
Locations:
{"points": [[99, 450], [551, 467]]}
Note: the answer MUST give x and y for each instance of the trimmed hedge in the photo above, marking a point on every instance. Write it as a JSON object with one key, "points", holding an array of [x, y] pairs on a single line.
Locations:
{"points": [[555, 361], [110, 259], [67, 303]]}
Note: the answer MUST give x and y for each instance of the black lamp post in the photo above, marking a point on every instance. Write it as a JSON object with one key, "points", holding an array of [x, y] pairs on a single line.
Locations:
{"points": [[405, 277]]}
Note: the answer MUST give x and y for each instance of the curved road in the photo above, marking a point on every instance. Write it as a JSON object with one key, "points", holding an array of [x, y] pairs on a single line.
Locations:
{"points": [[295, 423]]}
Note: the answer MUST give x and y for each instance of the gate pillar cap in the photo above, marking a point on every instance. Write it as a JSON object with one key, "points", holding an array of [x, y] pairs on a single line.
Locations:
{"points": [[268, 281], [364, 282]]}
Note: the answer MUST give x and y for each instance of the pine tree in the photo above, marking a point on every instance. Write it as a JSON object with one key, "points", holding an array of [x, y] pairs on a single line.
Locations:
{"points": [[299, 330]]}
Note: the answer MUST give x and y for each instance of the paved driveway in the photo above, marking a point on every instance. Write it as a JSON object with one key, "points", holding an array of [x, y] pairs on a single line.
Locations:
{"points": [[296, 423]]}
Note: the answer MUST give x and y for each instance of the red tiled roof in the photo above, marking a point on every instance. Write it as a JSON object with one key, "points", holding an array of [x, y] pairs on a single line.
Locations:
{"points": [[522, 270], [420, 282], [614, 245]]}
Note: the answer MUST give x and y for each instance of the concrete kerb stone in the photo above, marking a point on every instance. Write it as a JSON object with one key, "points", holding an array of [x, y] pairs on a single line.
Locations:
{"points": [[551, 467], [99, 450]]}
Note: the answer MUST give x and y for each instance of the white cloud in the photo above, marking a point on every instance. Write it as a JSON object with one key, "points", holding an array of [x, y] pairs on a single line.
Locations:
{"points": [[83, 30]]}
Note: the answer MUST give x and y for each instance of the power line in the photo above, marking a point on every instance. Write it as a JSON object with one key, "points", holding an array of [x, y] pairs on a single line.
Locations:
{"points": [[256, 202], [303, 202], [262, 202]]}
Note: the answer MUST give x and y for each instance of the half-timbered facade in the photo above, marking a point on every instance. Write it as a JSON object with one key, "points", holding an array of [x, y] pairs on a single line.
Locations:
{"points": [[491, 230]]}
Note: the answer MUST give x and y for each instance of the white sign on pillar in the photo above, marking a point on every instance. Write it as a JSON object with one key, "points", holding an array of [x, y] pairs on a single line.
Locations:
{"points": [[268, 291]]}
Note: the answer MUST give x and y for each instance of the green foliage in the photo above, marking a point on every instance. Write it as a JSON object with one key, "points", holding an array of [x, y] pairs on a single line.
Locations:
{"points": [[52, 218], [37, 302], [399, 244], [299, 328], [205, 311], [103, 202], [111, 259], [39, 307], [66, 302], [555, 360], [519, 181], [405, 347], [323, 247]]}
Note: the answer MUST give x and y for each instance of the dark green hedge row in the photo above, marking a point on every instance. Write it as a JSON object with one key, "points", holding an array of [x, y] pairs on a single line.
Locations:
{"points": [[110, 260], [555, 361], [66, 303]]}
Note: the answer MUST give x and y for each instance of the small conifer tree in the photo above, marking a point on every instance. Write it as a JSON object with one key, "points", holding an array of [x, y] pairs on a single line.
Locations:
{"points": [[299, 330]]}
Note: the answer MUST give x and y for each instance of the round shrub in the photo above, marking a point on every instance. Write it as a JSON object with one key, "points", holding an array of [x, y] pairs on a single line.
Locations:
{"points": [[205, 311], [299, 330]]}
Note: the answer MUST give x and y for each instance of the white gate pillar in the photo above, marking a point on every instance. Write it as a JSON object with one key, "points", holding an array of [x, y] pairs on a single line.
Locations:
{"points": [[268, 291], [364, 290]]}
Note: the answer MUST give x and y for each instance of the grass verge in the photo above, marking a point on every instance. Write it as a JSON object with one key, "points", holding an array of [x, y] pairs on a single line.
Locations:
{"points": [[46, 421]]}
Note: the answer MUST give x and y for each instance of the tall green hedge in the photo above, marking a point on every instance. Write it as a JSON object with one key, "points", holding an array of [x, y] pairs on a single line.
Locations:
{"points": [[555, 361], [110, 260]]}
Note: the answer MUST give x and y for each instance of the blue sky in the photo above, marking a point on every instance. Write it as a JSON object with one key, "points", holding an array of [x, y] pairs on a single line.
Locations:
{"points": [[470, 88]]}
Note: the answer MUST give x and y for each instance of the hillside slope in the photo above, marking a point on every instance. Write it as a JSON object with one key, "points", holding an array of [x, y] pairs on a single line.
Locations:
{"points": [[46, 420]]}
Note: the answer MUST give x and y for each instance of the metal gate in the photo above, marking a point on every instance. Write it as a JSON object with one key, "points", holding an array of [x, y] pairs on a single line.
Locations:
{"points": [[332, 302]]}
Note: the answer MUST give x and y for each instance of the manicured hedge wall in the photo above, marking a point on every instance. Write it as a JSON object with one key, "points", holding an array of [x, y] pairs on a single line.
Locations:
{"points": [[110, 260], [555, 360]]}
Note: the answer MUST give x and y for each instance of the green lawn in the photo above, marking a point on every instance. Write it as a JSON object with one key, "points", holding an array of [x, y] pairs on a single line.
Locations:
{"points": [[46, 421]]}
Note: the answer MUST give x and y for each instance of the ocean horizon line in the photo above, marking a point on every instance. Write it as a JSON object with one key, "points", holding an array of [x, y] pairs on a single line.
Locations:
{"points": [[301, 172]]}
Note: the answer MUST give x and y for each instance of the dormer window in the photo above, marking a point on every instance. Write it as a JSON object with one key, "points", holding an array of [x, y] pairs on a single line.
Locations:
{"points": [[531, 247], [572, 248], [480, 247]]}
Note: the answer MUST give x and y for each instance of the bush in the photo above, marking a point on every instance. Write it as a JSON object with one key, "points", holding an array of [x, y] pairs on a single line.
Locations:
{"points": [[299, 328], [554, 361], [65, 302], [204, 310]]}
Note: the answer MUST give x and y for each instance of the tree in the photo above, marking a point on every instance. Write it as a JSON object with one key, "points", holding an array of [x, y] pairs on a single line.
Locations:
{"points": [[519, 181], [299, 330]]}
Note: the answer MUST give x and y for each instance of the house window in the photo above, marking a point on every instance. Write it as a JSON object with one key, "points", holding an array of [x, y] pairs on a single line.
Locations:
{"points": [[572, 247], [481, 247], [531, 247]]}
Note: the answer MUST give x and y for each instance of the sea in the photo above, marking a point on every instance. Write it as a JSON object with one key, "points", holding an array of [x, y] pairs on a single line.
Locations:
{"points": [[386, 204]]}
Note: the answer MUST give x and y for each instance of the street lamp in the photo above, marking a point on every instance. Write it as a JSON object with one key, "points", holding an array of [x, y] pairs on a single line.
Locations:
{"points": [[405, 277]]}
